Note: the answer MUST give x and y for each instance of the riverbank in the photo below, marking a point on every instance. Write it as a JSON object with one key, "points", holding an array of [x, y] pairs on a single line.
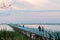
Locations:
{"points": [[9, 35]]}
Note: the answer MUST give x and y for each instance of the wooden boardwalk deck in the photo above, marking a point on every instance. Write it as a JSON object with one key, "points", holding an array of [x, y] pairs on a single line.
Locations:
{"points": [[31, 32]]}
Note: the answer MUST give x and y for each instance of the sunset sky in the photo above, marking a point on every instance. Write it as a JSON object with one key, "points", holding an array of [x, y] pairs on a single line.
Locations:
{"points": [[30, 11]]}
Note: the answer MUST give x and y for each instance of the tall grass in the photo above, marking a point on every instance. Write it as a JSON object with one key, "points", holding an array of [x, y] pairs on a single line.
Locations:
{"points": [[9, 35]]}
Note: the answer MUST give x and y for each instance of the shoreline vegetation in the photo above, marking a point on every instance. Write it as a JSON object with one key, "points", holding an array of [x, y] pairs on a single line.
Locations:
{"points": [[10, 35]]}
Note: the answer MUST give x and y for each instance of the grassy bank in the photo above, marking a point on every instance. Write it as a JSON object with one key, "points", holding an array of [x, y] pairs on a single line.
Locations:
{"points": [[9, 35]]}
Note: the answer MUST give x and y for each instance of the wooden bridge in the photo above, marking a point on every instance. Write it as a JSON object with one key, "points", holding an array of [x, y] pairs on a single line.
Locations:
{"points": [[34, 33]]}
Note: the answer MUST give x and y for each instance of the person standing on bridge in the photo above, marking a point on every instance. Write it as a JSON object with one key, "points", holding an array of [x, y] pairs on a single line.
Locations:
{"points": [[42, 28], [39, 28], [23, 25]]}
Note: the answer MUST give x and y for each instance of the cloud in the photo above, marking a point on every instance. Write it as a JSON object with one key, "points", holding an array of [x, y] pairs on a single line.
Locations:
{"points": [[36, 5], [31, 11], [37, 2], [40, 4], [31, 17], [16, 7], [8, 4]]}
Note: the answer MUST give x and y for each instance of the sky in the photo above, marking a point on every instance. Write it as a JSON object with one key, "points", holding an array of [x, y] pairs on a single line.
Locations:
{"points": [[30, 11]]}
